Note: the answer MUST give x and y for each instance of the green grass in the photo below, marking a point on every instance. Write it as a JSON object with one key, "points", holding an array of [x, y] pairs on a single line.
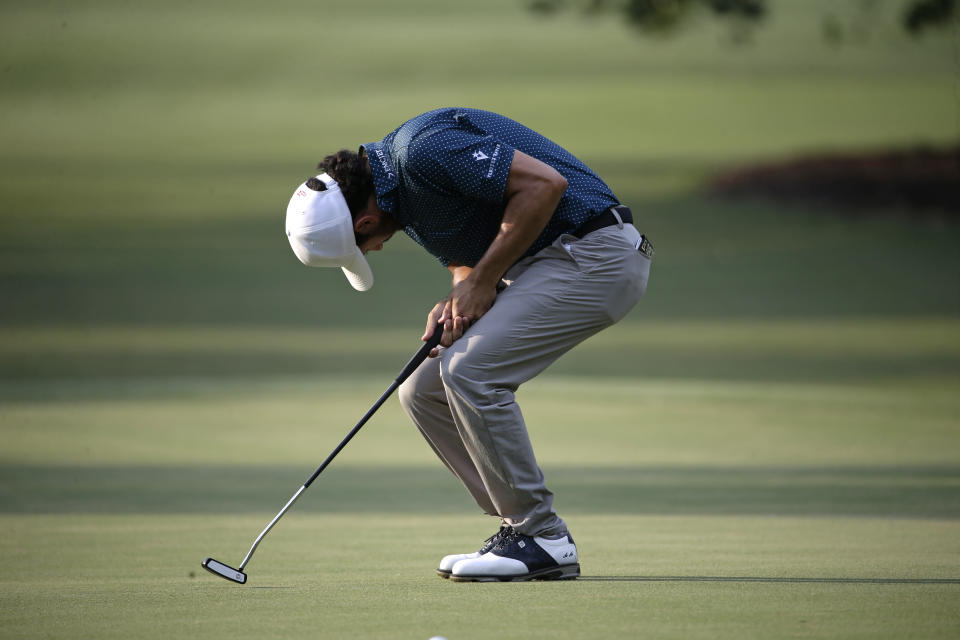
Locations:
{"points": [[302, 585], [702, 510], [767, 447]]}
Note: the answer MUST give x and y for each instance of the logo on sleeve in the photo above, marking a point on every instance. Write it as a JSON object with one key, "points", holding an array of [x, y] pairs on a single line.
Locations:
{"points": [[480, 155]]}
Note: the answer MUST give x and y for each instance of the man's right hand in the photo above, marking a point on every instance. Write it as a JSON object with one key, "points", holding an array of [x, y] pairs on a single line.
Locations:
{"points": [[453, 328]]}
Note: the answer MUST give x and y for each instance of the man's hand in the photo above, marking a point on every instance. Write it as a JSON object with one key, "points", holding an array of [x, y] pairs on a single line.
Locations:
{"points": [[466, 303]]}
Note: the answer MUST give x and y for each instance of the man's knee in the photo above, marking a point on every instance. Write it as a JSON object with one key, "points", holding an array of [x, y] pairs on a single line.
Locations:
{"points": [[407, 394], [449, 367], [420, 385], [462, 374]]}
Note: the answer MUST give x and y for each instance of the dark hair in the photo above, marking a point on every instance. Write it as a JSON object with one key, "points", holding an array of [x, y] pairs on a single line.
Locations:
{"points": [[352, 172], [316, 184]]}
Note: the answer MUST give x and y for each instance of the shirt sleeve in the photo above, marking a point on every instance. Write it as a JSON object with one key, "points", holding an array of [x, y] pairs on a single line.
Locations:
{"points": [[462, 162]]}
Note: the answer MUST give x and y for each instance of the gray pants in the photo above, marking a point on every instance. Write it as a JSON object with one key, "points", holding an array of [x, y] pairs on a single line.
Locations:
{"points": [[463, 400]]}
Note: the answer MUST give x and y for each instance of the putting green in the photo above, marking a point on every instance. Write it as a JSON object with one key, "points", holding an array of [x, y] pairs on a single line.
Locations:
{"points": [[369, 576], [722, 509]]}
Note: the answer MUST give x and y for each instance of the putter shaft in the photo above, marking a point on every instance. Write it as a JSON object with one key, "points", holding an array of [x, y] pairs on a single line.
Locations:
{"points": [[410, 367], [256, 543]]}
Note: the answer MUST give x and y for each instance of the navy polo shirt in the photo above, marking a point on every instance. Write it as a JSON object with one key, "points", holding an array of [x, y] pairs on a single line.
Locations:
{"points": [[443, 174]]}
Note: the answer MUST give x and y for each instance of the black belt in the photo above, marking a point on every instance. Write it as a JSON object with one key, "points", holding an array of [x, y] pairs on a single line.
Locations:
{"points": [[605, 219], [608, 219]]}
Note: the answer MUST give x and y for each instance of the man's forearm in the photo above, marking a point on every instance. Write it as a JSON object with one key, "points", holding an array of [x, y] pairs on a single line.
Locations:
{"points": [[526, 214], [533, 192]]}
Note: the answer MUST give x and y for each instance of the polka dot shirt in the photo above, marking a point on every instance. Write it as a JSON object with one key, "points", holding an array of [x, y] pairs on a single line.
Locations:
{"points": [[443, 174]]}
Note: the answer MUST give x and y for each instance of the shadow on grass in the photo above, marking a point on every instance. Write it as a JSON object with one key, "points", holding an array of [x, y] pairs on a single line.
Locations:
{"points": [[240, 362], [908, 492]]}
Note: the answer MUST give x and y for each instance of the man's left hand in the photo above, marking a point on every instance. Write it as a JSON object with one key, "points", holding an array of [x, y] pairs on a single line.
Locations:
{"points": [[466, 303]]}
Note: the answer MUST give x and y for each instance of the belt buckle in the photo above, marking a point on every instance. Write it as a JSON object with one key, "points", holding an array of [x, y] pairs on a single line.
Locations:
{"points": [[645, 247]]}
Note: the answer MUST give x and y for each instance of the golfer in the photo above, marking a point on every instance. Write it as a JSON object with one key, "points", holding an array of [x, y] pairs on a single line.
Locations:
{"points": [[542, 255]]}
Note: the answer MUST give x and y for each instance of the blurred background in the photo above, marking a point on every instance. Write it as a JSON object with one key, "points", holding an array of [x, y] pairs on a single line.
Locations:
{"points": [[147, 151]]}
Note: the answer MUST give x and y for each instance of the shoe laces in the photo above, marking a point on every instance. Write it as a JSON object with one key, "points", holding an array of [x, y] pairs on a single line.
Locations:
{"points": [[506, 535], [494, 540]]}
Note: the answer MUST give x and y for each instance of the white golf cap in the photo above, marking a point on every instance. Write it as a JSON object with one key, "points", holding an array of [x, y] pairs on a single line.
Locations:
{"points": [[320, 231]]}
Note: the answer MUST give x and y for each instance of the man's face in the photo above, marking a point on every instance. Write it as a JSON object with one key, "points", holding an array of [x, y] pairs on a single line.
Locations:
{"points": [[372, 227], [374, 241]]}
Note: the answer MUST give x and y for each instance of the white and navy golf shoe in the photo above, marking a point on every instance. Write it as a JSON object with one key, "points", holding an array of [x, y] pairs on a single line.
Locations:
{"points": [[446, 564], [518, 557]]}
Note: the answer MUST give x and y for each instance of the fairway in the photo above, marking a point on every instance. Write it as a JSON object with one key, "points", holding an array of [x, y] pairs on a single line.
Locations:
{"points": [[768, 446]]}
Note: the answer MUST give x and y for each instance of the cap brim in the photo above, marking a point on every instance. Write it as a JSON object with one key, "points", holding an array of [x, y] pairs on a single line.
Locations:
{"points": [[358, 272]]}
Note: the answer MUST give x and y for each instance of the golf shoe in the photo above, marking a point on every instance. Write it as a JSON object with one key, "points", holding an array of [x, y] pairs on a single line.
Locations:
{"points": [[446, 564], [518, 557]]}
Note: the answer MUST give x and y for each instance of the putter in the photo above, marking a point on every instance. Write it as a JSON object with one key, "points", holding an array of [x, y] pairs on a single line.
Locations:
{"points": [[237, 575]]}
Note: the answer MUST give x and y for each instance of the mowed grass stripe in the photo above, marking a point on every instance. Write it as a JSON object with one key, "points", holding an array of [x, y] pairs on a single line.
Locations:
{"points": [[784, 349], [849, 491], [873, 334], [582, 421]]}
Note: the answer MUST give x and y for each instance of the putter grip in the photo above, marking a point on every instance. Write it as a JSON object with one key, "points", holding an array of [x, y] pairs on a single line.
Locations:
{"points": [[421, 355]]}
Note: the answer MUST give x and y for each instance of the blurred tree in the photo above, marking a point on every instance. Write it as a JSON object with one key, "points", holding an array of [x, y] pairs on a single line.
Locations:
{"points": [[921, 14], [664, 17]]}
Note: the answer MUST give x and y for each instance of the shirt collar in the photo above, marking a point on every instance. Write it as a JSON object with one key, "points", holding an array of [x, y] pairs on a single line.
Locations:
{"points": [[384, 176]]}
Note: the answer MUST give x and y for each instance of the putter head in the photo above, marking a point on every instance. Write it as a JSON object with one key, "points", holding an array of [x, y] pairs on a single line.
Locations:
{"points": [[222, 570]]}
